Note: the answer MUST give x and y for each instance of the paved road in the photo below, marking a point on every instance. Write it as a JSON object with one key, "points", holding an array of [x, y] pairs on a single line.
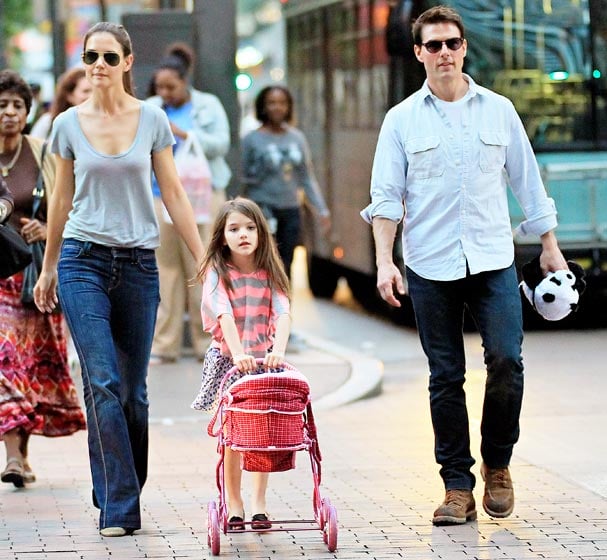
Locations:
{"points": [[377, 464]]}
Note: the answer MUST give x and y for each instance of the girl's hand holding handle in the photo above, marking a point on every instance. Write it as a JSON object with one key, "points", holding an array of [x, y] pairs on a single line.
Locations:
{"points": [[274, 359], [244, 362]]}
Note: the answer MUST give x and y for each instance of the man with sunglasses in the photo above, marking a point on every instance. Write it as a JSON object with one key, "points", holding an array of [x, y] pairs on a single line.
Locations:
{"points": [[440, 166]]}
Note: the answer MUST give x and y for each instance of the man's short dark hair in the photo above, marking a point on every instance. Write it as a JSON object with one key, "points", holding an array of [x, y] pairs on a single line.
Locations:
{"points": [[437, 14]]}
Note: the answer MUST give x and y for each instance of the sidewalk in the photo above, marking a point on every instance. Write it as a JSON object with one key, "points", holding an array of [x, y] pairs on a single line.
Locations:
{"points": [[378, 471]]}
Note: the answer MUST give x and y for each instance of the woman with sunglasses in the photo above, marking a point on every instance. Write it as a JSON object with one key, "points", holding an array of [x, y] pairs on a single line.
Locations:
{"points": [[446, 155], [105, 267]]}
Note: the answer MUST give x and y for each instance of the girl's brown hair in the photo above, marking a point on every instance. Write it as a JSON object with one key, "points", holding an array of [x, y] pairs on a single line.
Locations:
{"points": [[123, 38], [266, 255]]}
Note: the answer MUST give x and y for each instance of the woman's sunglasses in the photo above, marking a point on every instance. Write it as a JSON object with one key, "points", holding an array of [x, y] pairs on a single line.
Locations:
{"points": [[90, 57], [453, 44]]}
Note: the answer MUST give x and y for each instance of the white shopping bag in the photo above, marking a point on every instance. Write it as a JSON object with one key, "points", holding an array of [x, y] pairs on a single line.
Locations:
{"points": [[195, 174]]}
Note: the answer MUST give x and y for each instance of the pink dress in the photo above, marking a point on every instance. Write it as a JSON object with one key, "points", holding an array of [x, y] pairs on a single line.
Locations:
{"points": [[37, 393], [255, 308]]}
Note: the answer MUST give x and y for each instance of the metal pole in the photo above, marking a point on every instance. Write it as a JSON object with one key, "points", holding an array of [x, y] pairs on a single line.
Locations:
{"points": [[2, 38], [215, 67], [58, 37]]}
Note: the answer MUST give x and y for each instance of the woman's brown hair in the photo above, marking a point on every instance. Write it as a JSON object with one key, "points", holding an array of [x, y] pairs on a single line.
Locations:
{"points": [[123, 38], [68, 82]]}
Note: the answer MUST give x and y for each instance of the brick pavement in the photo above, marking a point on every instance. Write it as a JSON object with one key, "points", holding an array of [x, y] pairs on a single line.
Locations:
{"points": [[378, 471]]}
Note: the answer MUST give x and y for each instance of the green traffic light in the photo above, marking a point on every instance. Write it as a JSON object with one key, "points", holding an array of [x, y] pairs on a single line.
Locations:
{"points": [[243, 81]]}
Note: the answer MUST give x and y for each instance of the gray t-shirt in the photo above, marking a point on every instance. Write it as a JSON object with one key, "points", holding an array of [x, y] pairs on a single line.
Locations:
{"points": [[276, 166], [113, 203]]}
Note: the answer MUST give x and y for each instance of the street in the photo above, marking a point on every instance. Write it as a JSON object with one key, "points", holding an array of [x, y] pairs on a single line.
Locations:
{"points": [[377, 469]]}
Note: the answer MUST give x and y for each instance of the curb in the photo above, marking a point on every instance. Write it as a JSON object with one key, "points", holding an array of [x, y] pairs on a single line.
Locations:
{"points": [[365, 379]]}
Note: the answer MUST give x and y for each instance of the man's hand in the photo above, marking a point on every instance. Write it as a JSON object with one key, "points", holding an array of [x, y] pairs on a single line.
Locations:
{"points": [[551, 258], [388, 278]]}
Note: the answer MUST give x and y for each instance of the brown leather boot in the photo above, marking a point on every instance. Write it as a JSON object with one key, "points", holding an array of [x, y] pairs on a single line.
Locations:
{"points": [[498, 500], [457, 508]]}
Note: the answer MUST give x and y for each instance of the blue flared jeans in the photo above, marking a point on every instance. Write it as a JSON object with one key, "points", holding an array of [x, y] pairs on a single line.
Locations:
{"points": [[494, 302], [110, 297]]}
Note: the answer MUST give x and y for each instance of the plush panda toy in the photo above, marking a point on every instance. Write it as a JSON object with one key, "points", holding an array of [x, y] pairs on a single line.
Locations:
{"points": [[555, 295]]}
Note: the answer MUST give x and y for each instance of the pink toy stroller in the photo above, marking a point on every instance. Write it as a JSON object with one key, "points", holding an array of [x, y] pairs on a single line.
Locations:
{"points": [[268, 418]]}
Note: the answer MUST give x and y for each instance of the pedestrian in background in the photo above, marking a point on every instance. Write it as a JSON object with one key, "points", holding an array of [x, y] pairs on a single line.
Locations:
{"points": [[37, 394], [72, 89], [440, 166], [199, 113], [276, 166], [105, 268], [245, 308]]}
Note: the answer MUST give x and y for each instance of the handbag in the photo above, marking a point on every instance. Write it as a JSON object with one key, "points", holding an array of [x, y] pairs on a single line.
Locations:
{"points": [[32, 270], [16, 253], [195, 175]]}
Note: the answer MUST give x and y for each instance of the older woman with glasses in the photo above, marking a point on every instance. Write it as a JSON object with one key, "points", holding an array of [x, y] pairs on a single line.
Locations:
{"points": [[105, 267], [37, 395]]}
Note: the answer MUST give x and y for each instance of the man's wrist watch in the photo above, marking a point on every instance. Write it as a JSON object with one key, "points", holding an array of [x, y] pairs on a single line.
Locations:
{"points": [[3, 211]]}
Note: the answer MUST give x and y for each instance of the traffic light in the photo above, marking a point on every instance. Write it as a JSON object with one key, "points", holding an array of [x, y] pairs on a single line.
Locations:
{"points": [[243, 81]]}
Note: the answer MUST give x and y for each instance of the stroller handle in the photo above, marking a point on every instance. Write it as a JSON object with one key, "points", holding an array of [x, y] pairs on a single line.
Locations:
{"points": [[259, 361]]}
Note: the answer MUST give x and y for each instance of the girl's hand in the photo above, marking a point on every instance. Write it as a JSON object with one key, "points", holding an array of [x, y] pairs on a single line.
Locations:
{"points": [[244, 362], [274, 359], [45, 292]]}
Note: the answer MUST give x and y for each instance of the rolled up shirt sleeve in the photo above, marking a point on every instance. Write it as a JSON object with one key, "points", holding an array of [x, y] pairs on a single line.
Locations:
{"points": [[388, 176], [527, 185]]}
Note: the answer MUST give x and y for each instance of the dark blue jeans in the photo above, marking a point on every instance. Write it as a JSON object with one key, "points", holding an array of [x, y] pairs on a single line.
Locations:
{"points": [[495, 304], [288, 225], [110, 297]]}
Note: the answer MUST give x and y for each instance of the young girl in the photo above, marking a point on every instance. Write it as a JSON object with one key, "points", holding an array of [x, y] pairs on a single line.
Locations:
{"points": [[245, 308]]}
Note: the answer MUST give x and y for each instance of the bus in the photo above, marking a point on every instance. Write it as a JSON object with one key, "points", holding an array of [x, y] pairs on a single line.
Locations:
{"points": [[350, 60]]}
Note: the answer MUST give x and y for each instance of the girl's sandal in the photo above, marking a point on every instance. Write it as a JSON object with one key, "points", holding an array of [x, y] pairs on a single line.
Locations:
{"points": [[236, 523], [13, 472], [260, 521]]}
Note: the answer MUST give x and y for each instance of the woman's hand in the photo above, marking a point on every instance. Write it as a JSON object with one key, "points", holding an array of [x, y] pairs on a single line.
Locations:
{"points": [[274, 359], [32, 230], [45, 292], [244, 362]]}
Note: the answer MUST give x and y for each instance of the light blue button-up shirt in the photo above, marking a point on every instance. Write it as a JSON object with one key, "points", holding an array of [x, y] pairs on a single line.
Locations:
{"points": [[445, 167]]}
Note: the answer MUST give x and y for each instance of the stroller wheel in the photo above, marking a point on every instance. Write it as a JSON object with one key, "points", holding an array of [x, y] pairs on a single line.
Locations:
{"points": [[325, 504], [331, 530], [213, 529]]}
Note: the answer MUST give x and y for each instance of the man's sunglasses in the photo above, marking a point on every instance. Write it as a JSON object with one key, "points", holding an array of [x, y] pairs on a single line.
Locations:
{"points": [[453, 44], [90, 57]]}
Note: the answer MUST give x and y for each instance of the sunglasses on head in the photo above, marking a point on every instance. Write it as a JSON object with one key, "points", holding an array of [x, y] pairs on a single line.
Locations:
{"points": [[453, 44], [111, 58]]}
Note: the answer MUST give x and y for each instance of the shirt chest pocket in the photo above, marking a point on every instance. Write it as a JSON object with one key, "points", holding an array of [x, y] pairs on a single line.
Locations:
{"points": [[423, 157], [492, 150]]}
